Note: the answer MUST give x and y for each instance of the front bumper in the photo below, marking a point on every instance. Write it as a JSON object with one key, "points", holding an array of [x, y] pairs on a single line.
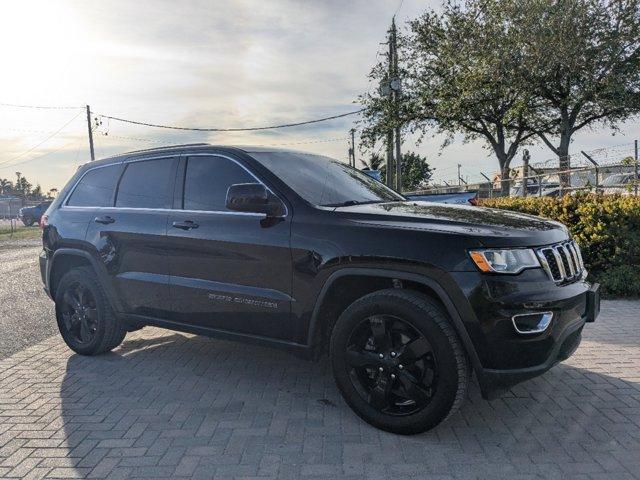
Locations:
{"points": [[507, 357]]}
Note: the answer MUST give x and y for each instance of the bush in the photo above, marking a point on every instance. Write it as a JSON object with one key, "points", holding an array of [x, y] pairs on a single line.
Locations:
{"points": [[607, 228]]}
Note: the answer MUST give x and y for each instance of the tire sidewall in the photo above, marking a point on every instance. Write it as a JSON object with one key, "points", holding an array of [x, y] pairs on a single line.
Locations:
{"points": [[423, 322], [86, 278]]}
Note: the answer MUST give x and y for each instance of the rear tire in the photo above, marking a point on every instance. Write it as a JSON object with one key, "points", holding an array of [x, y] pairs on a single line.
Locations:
{"points": [[28, 220], [398, 362], [86, 321]]}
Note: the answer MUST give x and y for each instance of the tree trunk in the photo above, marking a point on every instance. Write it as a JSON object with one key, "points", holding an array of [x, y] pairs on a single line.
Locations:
{"points": [[564, 160], [505, 180]]}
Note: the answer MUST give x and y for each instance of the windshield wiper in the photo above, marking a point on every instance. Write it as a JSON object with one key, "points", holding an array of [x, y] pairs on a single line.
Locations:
{"points": [[349, 203]]}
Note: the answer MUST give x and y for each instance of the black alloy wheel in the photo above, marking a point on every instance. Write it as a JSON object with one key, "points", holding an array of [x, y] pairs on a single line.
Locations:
{"points": [[86, 321], [392, 365], [398, 361], [79, 314]]}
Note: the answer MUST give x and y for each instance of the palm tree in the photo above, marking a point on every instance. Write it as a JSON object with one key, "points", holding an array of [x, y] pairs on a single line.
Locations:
{"points": [[375, 162], [5, 186]]}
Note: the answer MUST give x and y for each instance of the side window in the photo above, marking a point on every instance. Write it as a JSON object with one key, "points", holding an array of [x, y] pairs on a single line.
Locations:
{"points": [[96, 188], [147, 184], [207, 180]]}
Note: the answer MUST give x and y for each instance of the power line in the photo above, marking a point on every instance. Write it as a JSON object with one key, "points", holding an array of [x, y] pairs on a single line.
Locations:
{"points": [[247, 129], [310, 141], [40, 107], [42, 156], [40, 143]]}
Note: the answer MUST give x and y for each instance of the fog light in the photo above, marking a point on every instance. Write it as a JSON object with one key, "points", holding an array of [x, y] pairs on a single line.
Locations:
{"points": [[530, 323]]}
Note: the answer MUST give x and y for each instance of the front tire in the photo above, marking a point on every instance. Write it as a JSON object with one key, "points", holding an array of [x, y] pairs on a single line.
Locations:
{"points": [[28, 220], [85, 318], [398, 361]]}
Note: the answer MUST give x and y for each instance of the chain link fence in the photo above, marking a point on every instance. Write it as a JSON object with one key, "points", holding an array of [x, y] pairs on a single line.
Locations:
{"points": [[607, 171]]}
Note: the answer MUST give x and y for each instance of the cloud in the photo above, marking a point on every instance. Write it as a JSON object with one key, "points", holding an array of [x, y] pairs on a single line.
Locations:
{"points": [[204, 63]]}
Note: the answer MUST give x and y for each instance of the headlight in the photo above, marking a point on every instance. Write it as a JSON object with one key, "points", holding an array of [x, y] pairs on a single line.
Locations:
{"points": [[504, 260]]}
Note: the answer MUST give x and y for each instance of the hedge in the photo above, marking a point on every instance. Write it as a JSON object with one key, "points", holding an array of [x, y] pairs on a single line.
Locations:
{"points": [[607, 228]]}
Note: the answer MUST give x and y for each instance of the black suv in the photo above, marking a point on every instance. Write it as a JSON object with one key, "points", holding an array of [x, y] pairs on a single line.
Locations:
{"points": [[304, 253]]}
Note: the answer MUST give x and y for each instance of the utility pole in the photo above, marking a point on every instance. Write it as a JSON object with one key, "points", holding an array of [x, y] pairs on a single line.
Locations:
{"points": [[352, 150], [635, 183], [389, 93], [93, 155], [459, 177], [395, 92]]}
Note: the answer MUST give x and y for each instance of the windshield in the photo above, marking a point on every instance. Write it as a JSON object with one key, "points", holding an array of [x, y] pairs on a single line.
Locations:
{"points": [[324, 181]]}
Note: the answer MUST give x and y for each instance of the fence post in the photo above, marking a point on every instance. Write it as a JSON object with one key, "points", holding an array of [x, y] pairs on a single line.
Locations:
{"points": [[635, 183]]}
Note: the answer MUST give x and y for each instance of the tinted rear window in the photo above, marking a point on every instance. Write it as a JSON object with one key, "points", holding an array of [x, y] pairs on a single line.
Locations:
{"points": [[96, 188], [147, 184]]}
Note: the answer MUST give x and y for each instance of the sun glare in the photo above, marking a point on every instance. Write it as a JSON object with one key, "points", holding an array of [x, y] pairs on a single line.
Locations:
{"points": [[38, 38]]}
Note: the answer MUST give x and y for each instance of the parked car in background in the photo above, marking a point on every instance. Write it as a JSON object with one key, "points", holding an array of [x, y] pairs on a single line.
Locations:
{"points": [[302, 252], [621, 183], [32, 215], [549, 189]]}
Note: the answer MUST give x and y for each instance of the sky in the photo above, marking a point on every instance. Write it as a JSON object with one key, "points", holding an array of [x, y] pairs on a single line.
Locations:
{"points": [[199, 63]]}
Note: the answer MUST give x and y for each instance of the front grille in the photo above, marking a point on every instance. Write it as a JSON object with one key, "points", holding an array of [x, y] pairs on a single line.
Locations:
{"points": [[562, 261]]}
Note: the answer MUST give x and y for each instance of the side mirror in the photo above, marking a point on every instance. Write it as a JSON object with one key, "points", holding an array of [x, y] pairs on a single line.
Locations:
{"points": [[254, 198]]}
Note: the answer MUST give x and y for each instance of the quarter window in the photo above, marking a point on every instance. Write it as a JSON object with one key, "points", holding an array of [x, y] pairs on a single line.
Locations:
{"points": [[207, 180], [96, 187], [147, 184]]}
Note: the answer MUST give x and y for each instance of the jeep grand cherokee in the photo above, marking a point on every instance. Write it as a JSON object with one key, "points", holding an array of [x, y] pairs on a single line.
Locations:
{"points": [[304, 253]]}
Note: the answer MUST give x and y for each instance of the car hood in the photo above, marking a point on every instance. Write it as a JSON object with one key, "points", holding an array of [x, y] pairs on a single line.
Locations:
{"points": [[491, 227]]}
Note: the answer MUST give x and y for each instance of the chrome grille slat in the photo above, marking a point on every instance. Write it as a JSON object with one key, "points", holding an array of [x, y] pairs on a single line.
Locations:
{"points": [[556, 254], [567, 254], [574, 255], [562, 261]]}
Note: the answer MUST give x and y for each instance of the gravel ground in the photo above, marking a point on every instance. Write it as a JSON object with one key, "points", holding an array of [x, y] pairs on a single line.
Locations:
{"points": [[26, 313]]}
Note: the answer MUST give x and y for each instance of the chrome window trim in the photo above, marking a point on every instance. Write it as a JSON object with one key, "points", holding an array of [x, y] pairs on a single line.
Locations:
{"points": [[64, 205], [161, 210]]}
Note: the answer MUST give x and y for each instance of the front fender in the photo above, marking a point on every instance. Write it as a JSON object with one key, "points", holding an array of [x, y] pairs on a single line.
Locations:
{"points": [[457, 308]]}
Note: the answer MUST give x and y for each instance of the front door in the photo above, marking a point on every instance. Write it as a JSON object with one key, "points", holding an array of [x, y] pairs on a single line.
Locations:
{"points": [[229, 270]]}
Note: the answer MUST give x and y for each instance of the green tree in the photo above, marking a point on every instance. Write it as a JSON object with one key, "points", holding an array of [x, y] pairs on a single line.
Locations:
{"points": [[580, 59], [457, 79], [375, 162], [22, 185], [416, 172], [36, 193], [6, 186]]}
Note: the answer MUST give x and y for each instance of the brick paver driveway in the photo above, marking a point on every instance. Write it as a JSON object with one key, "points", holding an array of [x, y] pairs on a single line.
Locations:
{"points": [[170, 405]]}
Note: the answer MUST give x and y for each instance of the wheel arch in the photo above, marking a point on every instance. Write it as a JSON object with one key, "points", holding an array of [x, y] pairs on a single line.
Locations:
{"points": [[66, 259], [324, 315]]}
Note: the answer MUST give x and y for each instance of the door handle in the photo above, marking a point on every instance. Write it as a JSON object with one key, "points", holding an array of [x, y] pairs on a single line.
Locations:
{"points": [[104, 220], [186, 225]]}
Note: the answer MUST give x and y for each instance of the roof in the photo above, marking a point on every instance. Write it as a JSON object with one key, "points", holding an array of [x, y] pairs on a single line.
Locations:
{"points": [[204, 146]]}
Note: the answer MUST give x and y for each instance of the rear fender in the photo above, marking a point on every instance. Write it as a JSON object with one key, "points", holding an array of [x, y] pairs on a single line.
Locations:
{"points": [[97, 266]]}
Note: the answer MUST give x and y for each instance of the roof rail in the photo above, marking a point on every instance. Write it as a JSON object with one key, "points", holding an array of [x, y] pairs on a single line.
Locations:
{"points": [[160, 148]]}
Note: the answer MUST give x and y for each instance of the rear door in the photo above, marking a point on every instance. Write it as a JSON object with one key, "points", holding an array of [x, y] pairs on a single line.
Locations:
{"points": [[229, 270], [131, 235]]}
